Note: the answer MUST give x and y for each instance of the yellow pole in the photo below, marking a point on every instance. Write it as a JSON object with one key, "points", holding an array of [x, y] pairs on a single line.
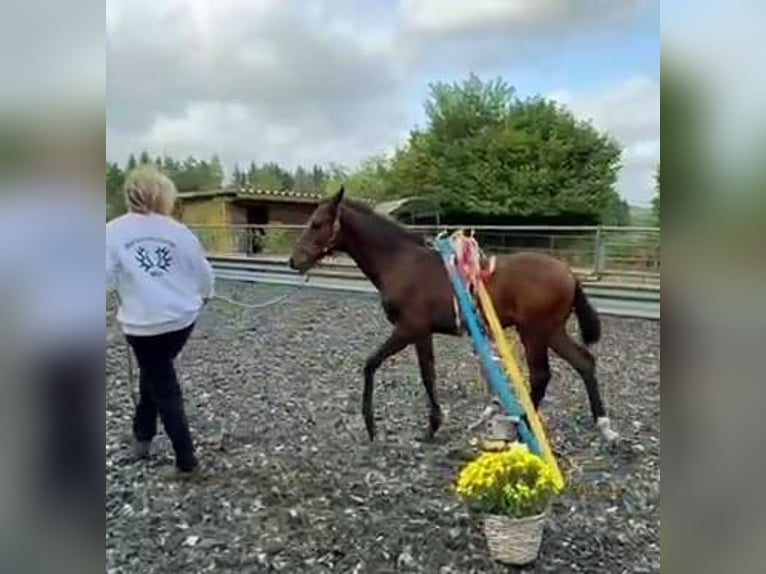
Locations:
{"points": [[517, 378]]}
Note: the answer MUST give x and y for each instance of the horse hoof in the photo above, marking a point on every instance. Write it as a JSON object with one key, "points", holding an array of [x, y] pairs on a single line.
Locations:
{"points": [[369, 425], [426, 437], [605, 426]]}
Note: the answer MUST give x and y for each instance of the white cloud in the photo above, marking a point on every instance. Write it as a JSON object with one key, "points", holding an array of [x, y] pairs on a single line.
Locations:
{"points": [[526, 17], [485, 34], [304, 81], [192, 75], [630, 112], [240, 133]]}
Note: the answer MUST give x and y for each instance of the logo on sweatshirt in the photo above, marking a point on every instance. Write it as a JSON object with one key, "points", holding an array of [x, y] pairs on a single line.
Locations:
{"points": [[154, 263]]}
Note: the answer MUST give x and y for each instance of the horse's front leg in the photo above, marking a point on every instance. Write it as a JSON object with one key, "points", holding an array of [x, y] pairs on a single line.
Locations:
{"points": [[425, 350], [397, 341]]}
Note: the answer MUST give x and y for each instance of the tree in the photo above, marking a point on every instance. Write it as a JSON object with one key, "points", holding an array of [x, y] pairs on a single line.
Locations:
{"points": [[272, 177], [238, 177], [318, 178], [487, 152], [144, 158], [213, 176], [303, 182], [617, 212], [370, 180], [132, 163], [115, 178], [170, 167], [196, 175], [252, 174]]}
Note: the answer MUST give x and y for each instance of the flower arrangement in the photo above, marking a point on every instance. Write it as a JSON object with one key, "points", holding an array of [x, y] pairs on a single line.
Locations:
{"points": [[513, 482], [513, 489]]}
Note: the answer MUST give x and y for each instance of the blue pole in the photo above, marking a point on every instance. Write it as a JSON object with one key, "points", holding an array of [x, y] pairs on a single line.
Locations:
{"points": [[497, 378]]}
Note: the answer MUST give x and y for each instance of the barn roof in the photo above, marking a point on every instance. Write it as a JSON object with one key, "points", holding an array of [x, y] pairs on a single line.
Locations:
{"points": [[246, 193], [254, 193], [411, 206]]}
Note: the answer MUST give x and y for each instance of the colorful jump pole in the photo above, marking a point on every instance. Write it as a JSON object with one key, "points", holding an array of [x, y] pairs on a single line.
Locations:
{"points": [[514, 372], [536, 439], [481, 344]]}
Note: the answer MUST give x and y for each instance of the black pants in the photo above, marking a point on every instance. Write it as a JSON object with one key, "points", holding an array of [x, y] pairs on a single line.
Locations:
{"points": [[160, 393]]}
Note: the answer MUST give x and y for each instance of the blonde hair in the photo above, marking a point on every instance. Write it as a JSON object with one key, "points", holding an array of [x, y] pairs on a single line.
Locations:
{"points": [[148, 190]]}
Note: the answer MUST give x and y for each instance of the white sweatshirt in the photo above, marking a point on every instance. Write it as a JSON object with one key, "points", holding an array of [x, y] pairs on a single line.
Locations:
{"points": [[160, 271]]}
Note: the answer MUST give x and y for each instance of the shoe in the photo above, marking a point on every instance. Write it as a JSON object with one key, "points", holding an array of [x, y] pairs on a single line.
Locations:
{"points": [[141, 449], [175, 473]]}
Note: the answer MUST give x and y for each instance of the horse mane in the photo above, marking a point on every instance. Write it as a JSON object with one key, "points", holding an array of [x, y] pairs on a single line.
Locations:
{"points": [[382, 224]]}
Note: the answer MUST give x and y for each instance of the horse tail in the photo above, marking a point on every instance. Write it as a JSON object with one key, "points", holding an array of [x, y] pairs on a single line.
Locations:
{"points": [[587, 317]]}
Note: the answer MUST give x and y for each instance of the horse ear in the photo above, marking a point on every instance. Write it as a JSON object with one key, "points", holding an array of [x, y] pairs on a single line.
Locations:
{"points": [[338, 197]]}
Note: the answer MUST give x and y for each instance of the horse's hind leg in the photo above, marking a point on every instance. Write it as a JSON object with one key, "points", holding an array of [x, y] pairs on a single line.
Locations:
{"points": [[397, 341], [584, 363], [536, 352], [425, 351]]}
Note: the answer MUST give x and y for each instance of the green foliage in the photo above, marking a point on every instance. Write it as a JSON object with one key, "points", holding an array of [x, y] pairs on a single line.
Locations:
{"points": [[273, 177], [617, 212], [371, 180], [189, 175], [302, 181], [115, 204], [277, 242], [270, 176], [195, 175], [642, 216], [485, 151], [238, 178]]}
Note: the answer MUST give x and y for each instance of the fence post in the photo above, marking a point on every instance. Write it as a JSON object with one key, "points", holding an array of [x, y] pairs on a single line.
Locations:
{"points": [[599, 262]]}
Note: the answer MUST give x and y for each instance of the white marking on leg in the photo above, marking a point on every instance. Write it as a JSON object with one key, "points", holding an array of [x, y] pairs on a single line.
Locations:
{"points": [[605, 426], [484, 417]]}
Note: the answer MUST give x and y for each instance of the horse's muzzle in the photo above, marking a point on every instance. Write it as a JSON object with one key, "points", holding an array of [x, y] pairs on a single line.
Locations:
{"points": [[299, 264]]}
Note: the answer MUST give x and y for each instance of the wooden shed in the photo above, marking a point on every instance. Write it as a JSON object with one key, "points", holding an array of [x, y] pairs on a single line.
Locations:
{"points": [[216, 211], [246, 206], [229, 220]]}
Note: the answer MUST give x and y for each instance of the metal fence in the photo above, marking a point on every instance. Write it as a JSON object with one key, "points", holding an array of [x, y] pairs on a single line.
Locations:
{"points": [[615, 252]]}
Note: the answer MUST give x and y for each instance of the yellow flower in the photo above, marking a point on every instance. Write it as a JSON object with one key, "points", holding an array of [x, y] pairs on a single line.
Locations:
{"points": [[514, 482]]}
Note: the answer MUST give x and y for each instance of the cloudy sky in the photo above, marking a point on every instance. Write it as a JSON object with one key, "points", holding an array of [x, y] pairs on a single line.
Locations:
{"points": [[319, 81]]}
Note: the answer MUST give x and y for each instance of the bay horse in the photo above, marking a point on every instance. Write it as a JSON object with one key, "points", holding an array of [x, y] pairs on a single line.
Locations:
{"points": [[533, 292]]}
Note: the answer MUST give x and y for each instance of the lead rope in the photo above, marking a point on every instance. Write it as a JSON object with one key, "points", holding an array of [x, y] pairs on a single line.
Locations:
{"points": [[267, 304], [129, 352]]}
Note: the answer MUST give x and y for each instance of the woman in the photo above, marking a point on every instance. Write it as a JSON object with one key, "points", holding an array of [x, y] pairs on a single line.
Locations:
{"points": [[163, 279]]}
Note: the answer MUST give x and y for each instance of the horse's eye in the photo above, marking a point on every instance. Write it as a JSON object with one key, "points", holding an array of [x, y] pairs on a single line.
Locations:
{"points": [[315, 225]]}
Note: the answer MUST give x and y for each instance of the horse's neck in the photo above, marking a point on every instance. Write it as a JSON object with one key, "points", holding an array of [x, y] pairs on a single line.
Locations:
{"points": [[370, 253]]}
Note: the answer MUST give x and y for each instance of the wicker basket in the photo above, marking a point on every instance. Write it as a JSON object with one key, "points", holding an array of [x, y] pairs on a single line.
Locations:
{"points": [[514, 540]]}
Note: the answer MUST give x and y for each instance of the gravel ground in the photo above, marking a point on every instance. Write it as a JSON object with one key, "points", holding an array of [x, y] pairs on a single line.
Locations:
{"points": [[292, 485]]}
